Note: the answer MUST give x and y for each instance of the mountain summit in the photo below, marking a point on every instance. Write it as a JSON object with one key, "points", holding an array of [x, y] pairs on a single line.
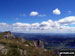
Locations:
{"points": [[17, 46]]}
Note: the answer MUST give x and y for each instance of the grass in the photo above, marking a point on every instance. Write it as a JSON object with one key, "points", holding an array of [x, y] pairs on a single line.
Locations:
{"points": [[15, 44]]}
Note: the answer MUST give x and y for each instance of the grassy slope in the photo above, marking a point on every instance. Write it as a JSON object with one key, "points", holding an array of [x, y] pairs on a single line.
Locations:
{"points": [[15, 44]]}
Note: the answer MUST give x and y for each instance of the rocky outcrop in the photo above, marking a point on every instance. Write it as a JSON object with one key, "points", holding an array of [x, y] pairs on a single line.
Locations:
{"points": [[3, 49], [2, 46], [8, 34], [21, 47], [21, 39], [38, 43], [22, 52]]}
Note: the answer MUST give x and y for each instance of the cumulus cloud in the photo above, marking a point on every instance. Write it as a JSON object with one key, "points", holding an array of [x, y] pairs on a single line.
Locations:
{"points": [[3, 24], [67, 20], [59, 26], [4, 27], [34, 13], [56, 11], [18, 24]]}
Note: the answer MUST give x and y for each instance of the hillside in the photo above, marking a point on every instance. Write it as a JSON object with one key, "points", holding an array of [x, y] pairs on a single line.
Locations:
{"points": [[17, 46]]}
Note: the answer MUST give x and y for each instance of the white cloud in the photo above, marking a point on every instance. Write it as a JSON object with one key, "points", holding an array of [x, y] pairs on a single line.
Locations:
{"points": [[18, 24], [4, 27], [3, 24], [59, 26], [67, 20], [56, 11], [35, 25], [34, 13], [44, 24]]}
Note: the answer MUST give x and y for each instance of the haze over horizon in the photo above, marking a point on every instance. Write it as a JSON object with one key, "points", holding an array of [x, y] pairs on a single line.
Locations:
{"points": [[37, 16]]}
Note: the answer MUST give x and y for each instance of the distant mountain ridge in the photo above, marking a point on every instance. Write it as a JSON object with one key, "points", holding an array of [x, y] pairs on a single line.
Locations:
{"points": [[51, 40]]}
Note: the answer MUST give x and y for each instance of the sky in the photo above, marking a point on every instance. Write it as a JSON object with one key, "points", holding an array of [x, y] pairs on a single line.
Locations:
{"points": [[37, 16]]}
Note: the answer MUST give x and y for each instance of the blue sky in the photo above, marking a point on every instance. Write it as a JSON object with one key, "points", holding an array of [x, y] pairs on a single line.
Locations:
{"points": [[18, 11], [11, 9]]}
